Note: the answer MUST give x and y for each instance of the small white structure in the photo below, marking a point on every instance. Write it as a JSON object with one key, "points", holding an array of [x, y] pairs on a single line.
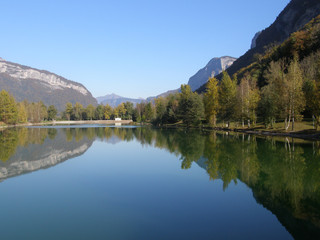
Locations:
{"points": [[117, 119]]}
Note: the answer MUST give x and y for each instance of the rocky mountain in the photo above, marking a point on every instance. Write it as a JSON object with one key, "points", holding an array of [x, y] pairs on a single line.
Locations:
{"points": [[254, 40], [295, 15], [213, 68], [37, 85], [114, 100]]}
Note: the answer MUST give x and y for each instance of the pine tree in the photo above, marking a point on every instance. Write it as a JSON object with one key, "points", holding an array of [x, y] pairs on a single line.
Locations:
{"points": [[191, 108]]}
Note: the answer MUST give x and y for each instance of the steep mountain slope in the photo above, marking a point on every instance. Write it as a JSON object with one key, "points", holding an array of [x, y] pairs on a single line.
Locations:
{"points": [[167, 93], [295, 15], [213, 68], [37, 85], [114, 100]]}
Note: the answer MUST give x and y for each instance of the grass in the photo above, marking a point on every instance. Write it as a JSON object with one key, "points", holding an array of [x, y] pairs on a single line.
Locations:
{"points": [[277, 127]]}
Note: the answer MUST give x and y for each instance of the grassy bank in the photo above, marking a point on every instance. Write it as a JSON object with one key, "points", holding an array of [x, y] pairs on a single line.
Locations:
{"points": [[303, 130]]}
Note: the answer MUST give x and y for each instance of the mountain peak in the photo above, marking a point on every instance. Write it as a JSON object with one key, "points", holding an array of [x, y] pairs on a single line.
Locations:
{"points": [[215, 66], [114, 100]]}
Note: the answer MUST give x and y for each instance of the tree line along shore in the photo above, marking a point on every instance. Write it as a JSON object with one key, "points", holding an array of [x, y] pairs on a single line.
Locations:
{"points": [[278, 92], [292, 93]]}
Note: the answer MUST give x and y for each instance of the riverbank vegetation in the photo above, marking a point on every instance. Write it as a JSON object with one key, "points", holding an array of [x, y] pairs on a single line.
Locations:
{"points": [[280, 87], [283, 85]]}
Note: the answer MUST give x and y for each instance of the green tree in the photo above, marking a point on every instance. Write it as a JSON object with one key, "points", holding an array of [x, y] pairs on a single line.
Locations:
{"points": [[248, 99], [160, 106], [136, 116], [148, 112], [296, 100], [120, 110], [172, 110], [77, 111], [68, 111], [43, 111], [22, 113], [129, 110], [107, 112], [274, 94], [227, 98], [52, 112], [191, 108], [211, 101], [99, 113], [311, 86], [90, 111], [8, 108]]}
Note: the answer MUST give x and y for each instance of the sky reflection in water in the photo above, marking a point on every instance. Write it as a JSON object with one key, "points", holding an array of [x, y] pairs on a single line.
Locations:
{"points": [[140, 183]]}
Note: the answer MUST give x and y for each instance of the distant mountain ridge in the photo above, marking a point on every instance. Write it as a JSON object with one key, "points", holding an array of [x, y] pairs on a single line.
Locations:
{"points": [[167, 93], [114, 100], [39, 85]]}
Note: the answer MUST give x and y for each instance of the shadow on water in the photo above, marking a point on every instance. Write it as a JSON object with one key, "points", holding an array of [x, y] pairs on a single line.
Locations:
{"points": [[284, 174]]}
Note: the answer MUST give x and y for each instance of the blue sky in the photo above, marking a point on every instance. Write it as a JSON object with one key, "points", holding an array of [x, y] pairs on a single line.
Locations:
{"points": [[134, 48]]}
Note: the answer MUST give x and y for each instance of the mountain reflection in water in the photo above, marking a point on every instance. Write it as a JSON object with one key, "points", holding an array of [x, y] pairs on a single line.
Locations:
{"points": [[283, 174]]}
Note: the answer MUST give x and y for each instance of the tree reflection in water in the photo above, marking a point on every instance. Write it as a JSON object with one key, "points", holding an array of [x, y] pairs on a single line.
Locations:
{"points": [[284, 174]]}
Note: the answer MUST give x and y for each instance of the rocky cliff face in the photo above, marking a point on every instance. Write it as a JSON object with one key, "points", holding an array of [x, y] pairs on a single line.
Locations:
{"points": [[213, 68], [254, 39], [295, 15], [36, 85]]}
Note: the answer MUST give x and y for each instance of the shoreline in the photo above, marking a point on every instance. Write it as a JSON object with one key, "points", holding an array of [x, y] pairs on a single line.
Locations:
{"points": [[53, 123], [304, 134]]}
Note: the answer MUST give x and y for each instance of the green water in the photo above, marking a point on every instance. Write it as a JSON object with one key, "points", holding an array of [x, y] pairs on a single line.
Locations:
{"points": [[94, 182]]}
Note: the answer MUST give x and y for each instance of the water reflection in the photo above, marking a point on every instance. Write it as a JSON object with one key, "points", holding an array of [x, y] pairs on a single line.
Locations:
{"points": [[24, 150], [284, 174]]}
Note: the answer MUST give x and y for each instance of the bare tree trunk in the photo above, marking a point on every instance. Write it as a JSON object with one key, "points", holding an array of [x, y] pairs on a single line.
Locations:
{"points": [[293, 119], [313, 121], [292, 123], [288, 123]]}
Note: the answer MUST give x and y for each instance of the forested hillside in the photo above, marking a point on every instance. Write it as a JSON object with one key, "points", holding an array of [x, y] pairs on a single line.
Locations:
{"points": [[295, 15]]}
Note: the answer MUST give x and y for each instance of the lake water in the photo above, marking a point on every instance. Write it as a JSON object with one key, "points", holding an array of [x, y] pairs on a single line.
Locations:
{"points": [[95, 182]]}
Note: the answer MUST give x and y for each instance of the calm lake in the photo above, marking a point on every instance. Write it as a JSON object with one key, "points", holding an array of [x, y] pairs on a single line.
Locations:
{"points": [[96, 182]]}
